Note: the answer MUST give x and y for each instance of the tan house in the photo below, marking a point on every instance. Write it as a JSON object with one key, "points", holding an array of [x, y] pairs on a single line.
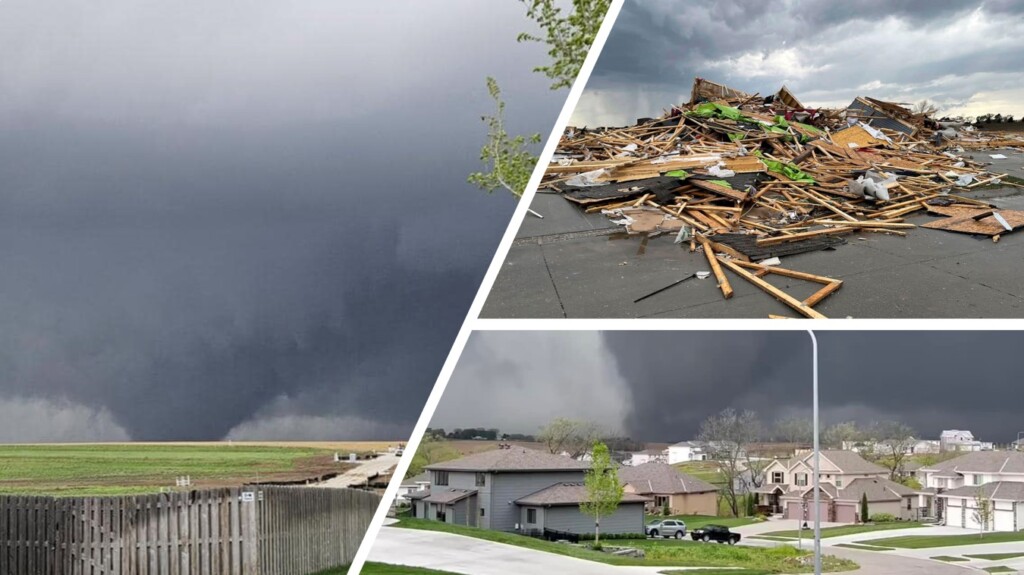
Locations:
{"points": [[845, 478], [666, 485]]}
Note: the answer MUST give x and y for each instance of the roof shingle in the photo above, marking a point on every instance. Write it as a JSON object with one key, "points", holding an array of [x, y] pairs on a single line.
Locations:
{"points": [[662, 478], [571, 493]]}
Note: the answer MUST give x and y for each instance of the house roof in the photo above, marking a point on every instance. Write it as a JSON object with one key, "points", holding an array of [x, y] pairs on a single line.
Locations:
{"points": [[421, 494], [513, 460], [685, 444], [848, 461], [450, 496], [662, 478], [876, 490], [982, 462], [1001, 490], [571, 493]]}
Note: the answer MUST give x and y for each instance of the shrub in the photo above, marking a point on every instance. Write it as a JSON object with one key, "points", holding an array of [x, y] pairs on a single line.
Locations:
{"points": [[883, 518]]}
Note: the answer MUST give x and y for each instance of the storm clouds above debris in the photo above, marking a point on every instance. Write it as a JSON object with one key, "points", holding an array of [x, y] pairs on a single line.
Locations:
{"points": [[963, 56], [658, 386], [234, 218]]}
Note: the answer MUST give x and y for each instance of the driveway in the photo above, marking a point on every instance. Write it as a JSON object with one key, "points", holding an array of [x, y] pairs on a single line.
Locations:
{"points": [[459, 554], [577, 265], [359, 474]]}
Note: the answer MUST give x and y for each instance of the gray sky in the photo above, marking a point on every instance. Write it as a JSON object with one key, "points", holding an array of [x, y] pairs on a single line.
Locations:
{"points": [[659, 386], [244, 218], [965, 56]]}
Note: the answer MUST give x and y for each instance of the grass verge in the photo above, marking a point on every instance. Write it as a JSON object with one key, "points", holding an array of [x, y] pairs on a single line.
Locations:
{"points": [[995, 556], [863, 547], [849, 529], [999, 569], [931, 541], [659, 553], [949, 558]]}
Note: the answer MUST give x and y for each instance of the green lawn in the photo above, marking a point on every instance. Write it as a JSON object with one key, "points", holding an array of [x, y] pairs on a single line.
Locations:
{"points": [[716, 572], [696, 521], [930, 541], [706, 470], [848, 529], [667, 553], [371, 568], [999, 569], [121, 469], [863, 547], [995, 556], [949, 558]]}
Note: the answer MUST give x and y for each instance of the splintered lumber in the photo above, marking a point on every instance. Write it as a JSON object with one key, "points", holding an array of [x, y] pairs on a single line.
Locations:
{"points": [[806, 306], [716, 268], [803, 235], [780, 295]]}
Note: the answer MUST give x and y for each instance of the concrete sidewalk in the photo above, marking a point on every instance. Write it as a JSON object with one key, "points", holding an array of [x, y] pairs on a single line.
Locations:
{"points": [[571, 264]]}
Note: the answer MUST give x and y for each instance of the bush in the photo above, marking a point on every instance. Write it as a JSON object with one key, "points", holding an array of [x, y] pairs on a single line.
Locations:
{"points": [[883, 518], [609, 536]]}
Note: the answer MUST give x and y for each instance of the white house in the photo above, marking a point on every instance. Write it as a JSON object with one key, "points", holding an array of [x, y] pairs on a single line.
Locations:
{"points": [[962, 440], [647, 456], [960, 484], [686, 451], [411, 485]]}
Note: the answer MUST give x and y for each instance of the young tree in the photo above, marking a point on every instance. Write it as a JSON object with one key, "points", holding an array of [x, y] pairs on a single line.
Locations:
{"points": [[604, 492], [982, 511], [925, 107], [729, 434], [507, 158], [864, 508], [896, 439], [570, 436], [568, 37]]}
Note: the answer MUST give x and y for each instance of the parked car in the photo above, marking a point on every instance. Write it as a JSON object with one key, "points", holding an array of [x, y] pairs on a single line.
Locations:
{"points": [[719, 533], [666, 528]]}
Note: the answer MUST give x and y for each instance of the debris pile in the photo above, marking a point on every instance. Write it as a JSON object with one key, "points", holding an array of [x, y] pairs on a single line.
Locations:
{"points": [[745, 178]]}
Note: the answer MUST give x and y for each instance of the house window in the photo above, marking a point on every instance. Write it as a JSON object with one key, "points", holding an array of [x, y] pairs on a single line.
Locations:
{"points": [[531, 516], [801, 480], [777, 477], [440, 513], [977, 479], [481, 479], [909, 504], [660, 501], [481, 512], [440, 478], [839, 481]]}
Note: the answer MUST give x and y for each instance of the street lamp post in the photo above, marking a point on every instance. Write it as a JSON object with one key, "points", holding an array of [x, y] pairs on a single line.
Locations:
{"points": [[817, 461]]}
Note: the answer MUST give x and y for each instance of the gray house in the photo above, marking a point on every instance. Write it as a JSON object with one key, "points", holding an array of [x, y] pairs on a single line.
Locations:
{"points": [[517, 489]]}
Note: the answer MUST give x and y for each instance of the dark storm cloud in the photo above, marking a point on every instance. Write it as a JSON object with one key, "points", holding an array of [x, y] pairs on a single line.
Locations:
{"points": [[668, 382], [246, 216], [962, 56]]}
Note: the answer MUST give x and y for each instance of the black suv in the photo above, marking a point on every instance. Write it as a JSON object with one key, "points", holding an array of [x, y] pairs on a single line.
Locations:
{"points": [[719, 533]]}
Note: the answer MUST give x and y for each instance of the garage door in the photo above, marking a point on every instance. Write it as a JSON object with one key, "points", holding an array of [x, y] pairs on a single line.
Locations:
{"points": [[793, 510], [846, 513], [1003, 520]]}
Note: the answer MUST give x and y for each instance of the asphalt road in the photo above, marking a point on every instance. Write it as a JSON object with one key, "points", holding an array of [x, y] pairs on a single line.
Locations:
{"points": [[571, 264], [458, 554]]}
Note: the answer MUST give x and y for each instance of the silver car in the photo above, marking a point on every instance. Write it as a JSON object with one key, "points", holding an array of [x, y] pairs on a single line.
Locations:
{"points": [[666, 528]]}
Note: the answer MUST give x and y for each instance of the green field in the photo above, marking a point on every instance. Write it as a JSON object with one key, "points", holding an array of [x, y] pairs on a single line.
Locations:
{"points": [[847, 529], [928, 542], [659, 553], [123, 469]]}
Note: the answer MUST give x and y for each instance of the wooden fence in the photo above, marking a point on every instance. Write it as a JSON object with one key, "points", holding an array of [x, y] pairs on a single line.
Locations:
{"points": [[241, 531]]}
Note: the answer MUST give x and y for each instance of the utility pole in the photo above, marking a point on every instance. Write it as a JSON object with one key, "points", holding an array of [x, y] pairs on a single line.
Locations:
{"points": [[817, 461]]}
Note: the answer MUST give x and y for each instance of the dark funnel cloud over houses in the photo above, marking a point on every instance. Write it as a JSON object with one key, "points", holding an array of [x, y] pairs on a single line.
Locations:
{"points": [[659, 386], [244, 219]]}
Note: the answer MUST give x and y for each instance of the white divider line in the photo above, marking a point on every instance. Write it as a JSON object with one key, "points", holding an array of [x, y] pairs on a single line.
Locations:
{"points": [[485, 287]]}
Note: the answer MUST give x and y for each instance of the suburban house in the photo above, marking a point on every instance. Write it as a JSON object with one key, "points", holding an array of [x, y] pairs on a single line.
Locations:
{"points": [[957, 485], [518, 489], [686, 451], [647, 456], [666, 486], [845, 478], [412, 485], [962, 440]]}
